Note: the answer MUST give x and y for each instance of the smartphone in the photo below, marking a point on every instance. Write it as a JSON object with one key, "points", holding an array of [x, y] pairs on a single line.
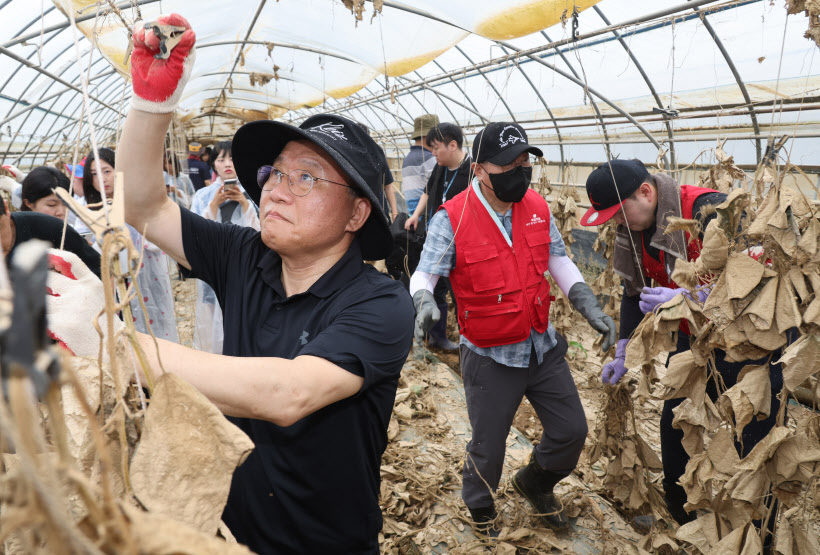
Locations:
{"points": [[229, 184]]}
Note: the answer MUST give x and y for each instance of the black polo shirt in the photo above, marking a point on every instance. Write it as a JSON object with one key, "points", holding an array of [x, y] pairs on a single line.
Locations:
{"points": [[312, 487]]}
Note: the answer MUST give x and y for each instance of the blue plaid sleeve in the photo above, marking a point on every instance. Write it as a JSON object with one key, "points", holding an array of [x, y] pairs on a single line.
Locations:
{"points": [[557, 247], [439, 254]]}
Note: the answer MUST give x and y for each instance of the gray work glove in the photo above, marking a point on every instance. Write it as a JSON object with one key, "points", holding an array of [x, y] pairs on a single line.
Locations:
{"points": [[585, 302], [427, 313]]}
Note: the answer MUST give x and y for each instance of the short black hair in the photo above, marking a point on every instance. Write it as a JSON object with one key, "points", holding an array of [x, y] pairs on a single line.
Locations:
{"points": [[39, 184], [444, 133], [220, 148], [2, 207], [92, 195]]}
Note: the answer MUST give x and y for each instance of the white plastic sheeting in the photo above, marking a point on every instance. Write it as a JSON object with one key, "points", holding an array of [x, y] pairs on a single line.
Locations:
{"points": [[291, 58]]}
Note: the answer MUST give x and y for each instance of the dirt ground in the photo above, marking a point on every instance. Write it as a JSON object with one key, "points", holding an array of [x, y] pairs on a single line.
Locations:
{"points": [[421, 469]]}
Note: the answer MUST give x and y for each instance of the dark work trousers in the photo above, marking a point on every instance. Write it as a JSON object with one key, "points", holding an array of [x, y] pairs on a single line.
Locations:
{"points": [[674, 455], [494, 393]]}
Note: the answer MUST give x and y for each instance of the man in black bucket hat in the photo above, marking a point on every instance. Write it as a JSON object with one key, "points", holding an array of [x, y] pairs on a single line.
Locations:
{"points": [[322, 335]]}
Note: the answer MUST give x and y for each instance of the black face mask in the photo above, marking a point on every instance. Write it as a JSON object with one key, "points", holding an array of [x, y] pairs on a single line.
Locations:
{"points": [[511, 186]]}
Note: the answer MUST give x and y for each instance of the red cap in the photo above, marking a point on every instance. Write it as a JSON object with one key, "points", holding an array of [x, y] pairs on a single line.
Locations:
{"points": [[594, 216]]}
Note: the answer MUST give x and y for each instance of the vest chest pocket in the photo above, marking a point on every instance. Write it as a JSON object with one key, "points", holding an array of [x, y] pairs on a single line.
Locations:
{"points": [[539, 244], [484, 267]]}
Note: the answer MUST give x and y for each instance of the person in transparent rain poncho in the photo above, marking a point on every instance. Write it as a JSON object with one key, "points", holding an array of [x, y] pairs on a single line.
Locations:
{"points": [[224, 200], [178, 185], [153, 277]]}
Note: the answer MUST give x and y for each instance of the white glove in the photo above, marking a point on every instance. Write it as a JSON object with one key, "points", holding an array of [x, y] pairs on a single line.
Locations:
{"points": [[75, 300], [7, 184], [18, 175], [158, 83]]}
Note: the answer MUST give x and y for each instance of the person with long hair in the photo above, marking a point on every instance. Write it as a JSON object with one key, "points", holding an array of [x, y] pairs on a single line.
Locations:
{"points": [[226, 201], [153, 279]]}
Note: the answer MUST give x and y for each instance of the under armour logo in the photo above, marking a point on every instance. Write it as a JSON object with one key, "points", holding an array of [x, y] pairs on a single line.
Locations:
{"points": [[510, 135], [304, 337], [332, 130]]}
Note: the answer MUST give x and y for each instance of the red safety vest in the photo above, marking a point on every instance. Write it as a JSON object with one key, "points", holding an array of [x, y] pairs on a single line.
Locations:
{"points": [[657, 269], [501, 292]]}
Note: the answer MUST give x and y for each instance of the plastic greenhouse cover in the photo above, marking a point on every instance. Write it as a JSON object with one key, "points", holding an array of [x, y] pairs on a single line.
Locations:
{"points": [[371, 61]]}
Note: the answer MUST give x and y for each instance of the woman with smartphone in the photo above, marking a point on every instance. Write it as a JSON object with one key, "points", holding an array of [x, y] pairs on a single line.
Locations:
{"points": [[154, 279], [226, 201]]}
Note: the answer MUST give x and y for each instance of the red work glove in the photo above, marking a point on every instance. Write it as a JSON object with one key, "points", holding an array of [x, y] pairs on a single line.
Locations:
{"points": [[158, 84], [75, 299]]}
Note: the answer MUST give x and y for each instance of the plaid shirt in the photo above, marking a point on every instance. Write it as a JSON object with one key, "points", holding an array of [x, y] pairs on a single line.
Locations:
{"points": [[439, 257]]}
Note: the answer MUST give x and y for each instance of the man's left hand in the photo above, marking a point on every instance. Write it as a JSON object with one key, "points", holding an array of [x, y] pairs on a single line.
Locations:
{"points": [[585, 302]]}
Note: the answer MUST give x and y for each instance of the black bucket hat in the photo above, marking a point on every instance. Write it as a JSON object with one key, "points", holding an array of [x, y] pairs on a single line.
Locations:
{"points": [[258, 143]]}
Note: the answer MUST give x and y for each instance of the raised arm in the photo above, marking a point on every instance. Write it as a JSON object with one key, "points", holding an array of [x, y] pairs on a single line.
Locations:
{"points": [[158, 85]]}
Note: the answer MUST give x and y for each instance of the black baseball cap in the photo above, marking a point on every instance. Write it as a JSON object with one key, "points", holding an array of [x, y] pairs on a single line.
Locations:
{"points": [[258, 143], [609, 185], [501, 143]]}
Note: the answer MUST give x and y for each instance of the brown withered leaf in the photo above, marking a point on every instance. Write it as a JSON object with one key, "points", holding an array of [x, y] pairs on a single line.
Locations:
{"points": [[795, 537], [715, 250], [812, 314], [696, 481], [800, 360], [764, 449], [723, 454], [684, 378], [807, 246], [787, 313], [761, 309], [767, 208], [694, 420], [160, 535], [690, 226], [685, 275], [798, 281], [750, 397], [701, 532], [795, 459], [731, 210], [183, 466], [743, 274], [768, 340]]}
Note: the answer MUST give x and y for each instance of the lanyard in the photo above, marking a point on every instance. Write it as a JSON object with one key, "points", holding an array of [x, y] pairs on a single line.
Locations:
{"points": [[446, 189]]}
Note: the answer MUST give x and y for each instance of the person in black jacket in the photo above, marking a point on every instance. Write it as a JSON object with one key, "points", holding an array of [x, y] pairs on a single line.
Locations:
{"points": [[17, 228]]}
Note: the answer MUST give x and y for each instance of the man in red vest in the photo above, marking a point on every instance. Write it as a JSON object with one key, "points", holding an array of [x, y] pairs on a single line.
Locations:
{"points": [[641, 203], [496, 241]]}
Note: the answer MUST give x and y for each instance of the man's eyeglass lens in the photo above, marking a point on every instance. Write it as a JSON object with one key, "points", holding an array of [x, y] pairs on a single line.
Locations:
{"points": [[300, 182]]}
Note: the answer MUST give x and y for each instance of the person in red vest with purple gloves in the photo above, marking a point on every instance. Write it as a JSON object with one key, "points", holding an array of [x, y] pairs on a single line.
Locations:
{"points": [[641, 204], [496, 241]]}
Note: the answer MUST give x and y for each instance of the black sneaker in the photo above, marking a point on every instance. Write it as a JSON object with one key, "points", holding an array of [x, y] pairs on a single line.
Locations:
{"points": [[536, 485], [484, 521]]}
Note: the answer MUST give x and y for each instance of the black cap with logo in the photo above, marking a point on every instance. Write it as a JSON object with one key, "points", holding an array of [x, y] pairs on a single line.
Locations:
{"points": [[501, 143], [258, 143], [609, 185]]}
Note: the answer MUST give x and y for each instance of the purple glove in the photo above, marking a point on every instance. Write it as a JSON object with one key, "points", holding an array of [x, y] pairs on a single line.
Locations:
{"points": [[615, 370], [651, 297]]}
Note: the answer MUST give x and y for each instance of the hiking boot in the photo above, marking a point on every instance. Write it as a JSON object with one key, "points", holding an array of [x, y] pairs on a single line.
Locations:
{"points": [[484, 521], [536, 485]]}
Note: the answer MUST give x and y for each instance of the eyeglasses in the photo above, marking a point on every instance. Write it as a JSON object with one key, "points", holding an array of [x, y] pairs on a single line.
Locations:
{"points": [[300, 182]]}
